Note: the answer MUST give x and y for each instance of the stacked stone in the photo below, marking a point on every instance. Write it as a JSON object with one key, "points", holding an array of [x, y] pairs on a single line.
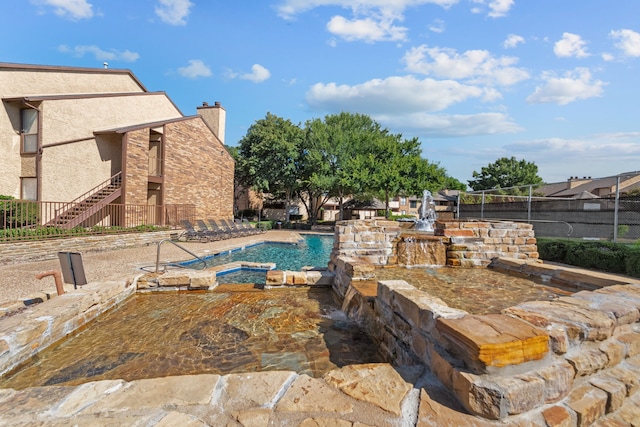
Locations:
{"points": [[16, 252], [476, 243], [571, 366], [284, 278], [368, 240], [25, 334]]}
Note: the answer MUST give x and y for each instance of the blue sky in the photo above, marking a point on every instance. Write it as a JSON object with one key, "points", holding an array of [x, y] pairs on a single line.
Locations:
{"points": [[552, 82]]}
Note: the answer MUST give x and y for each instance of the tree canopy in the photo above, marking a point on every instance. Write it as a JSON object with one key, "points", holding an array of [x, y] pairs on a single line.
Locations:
{"points": [[505, 172], [341, 155]]}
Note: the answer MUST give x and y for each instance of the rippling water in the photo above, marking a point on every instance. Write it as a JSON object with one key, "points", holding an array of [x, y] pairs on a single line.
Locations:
{"points": [[474, 290], [238, 329]]}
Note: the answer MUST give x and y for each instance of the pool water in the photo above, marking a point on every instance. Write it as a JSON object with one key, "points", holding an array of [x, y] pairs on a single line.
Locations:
{"points": [[313, 251], [475, 290], [233, 330]]}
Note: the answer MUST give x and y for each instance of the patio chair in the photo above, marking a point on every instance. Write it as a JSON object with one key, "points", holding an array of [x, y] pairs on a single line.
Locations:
{"points": [[190, 233], [231, 225], [245, 224], [212, 234], [227, 232]]}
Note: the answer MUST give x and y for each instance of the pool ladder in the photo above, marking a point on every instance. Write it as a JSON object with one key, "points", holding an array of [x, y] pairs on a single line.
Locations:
{"points": [[179, 246]]}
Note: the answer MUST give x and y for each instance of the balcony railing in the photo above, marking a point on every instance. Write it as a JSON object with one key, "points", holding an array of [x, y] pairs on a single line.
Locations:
{"points": [[25, 220]]}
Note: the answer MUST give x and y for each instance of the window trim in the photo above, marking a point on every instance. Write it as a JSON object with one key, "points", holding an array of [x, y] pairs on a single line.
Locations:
{"points": [[23, 133]]}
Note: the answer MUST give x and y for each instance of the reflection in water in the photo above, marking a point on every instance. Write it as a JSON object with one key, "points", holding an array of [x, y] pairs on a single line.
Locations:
{"points": [[474, 290], [157, 335]]}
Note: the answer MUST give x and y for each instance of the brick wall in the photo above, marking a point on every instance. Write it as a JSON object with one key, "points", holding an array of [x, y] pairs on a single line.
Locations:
{"points": [[137, 167], [198, 169]]}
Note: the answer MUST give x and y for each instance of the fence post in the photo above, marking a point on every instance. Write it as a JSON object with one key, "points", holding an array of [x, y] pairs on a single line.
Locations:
{"points": [[529, 204], [457, 212], [615, 211], [482, 206]]}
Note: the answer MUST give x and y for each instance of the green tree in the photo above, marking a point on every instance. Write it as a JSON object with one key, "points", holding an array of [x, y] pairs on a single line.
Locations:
{"points": [[241, 181], [505, 173], [391, 167], [272, 150], [331, 145]]}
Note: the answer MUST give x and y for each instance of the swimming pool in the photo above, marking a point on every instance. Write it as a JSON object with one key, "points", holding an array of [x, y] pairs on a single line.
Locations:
{"points": [[314, 250]]}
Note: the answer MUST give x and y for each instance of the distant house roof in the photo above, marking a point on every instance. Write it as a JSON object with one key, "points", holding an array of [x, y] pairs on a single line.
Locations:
{"points": [[589, 188]]}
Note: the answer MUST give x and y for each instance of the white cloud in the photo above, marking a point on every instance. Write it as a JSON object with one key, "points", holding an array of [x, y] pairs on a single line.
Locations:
{"points": [[497, 8], [399, 94], [573, 86], [258, 74], [195, 69], [371, 20], [477, 66], [591, 155], [368, 29], [512, 41], [71, 9], [445, 126], [571, 45], [437, 26], [99, 54], [606, 56], [596, 147], [288, 9], [628, 41], [173, 12]]}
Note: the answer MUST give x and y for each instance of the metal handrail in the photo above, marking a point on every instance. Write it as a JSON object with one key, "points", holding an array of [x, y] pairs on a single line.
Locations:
{"points": [[179, 246], [115, 179]]}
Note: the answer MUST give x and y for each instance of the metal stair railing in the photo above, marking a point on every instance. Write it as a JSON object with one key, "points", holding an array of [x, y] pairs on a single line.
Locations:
{"points": [[83, 203], [179, 246]]}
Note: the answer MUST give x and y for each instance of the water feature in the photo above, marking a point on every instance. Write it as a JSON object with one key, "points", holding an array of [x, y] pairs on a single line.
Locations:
{"points": [[477, 290], [428, 214], [236, 329]]}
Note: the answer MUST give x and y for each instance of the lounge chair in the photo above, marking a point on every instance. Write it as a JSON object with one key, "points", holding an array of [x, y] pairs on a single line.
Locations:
{"points": [[245, 224], [190, 233], [231, 225], [212, 234], [229, 233]]}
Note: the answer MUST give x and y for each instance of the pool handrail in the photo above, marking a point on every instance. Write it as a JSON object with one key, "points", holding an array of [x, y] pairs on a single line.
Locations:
{"points": [[179, 246]]}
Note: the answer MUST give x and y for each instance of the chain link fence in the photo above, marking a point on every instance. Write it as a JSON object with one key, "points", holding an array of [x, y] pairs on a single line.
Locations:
{"points": [[615, 218]]}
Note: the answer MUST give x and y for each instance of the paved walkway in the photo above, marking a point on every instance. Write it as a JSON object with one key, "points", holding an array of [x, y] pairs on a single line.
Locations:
{"points": [[18, 281]]}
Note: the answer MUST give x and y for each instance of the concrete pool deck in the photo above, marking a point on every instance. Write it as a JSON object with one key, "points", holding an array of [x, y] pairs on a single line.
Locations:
{"points": [[18, 281]]}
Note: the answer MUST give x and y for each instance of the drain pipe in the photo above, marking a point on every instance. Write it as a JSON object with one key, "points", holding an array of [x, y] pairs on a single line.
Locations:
{"points": [[57, 276]]}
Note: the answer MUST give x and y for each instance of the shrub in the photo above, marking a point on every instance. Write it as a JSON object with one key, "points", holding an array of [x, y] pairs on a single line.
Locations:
{"points": [[18, 213], [632, 261], [604, 256], [552, 250]]}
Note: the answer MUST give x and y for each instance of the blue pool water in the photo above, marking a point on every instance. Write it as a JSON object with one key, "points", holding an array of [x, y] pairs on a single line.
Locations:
{"points": [[313, 250]]}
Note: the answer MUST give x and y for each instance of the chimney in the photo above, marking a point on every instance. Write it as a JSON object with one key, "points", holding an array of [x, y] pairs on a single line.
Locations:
{"points": [[215, 117]]}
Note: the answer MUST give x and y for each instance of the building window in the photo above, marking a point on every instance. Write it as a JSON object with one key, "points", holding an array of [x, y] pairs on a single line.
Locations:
{"points": [[413, 204], [29, 130], [403, 200], [29, 189]]}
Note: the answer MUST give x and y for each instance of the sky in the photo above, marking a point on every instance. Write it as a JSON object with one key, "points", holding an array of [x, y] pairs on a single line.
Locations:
{"points": [[555, 83]]}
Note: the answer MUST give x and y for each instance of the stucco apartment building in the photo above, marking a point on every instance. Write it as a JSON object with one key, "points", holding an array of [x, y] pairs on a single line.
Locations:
{"points": [[66, 133]]}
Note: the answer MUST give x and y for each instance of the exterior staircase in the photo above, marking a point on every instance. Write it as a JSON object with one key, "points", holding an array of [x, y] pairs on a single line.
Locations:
{"points": [[76, 212]]}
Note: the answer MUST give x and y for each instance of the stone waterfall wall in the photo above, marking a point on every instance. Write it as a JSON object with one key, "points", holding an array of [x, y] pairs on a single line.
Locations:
{"points": [[365, 243], [574, 361], [476, 243]]}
